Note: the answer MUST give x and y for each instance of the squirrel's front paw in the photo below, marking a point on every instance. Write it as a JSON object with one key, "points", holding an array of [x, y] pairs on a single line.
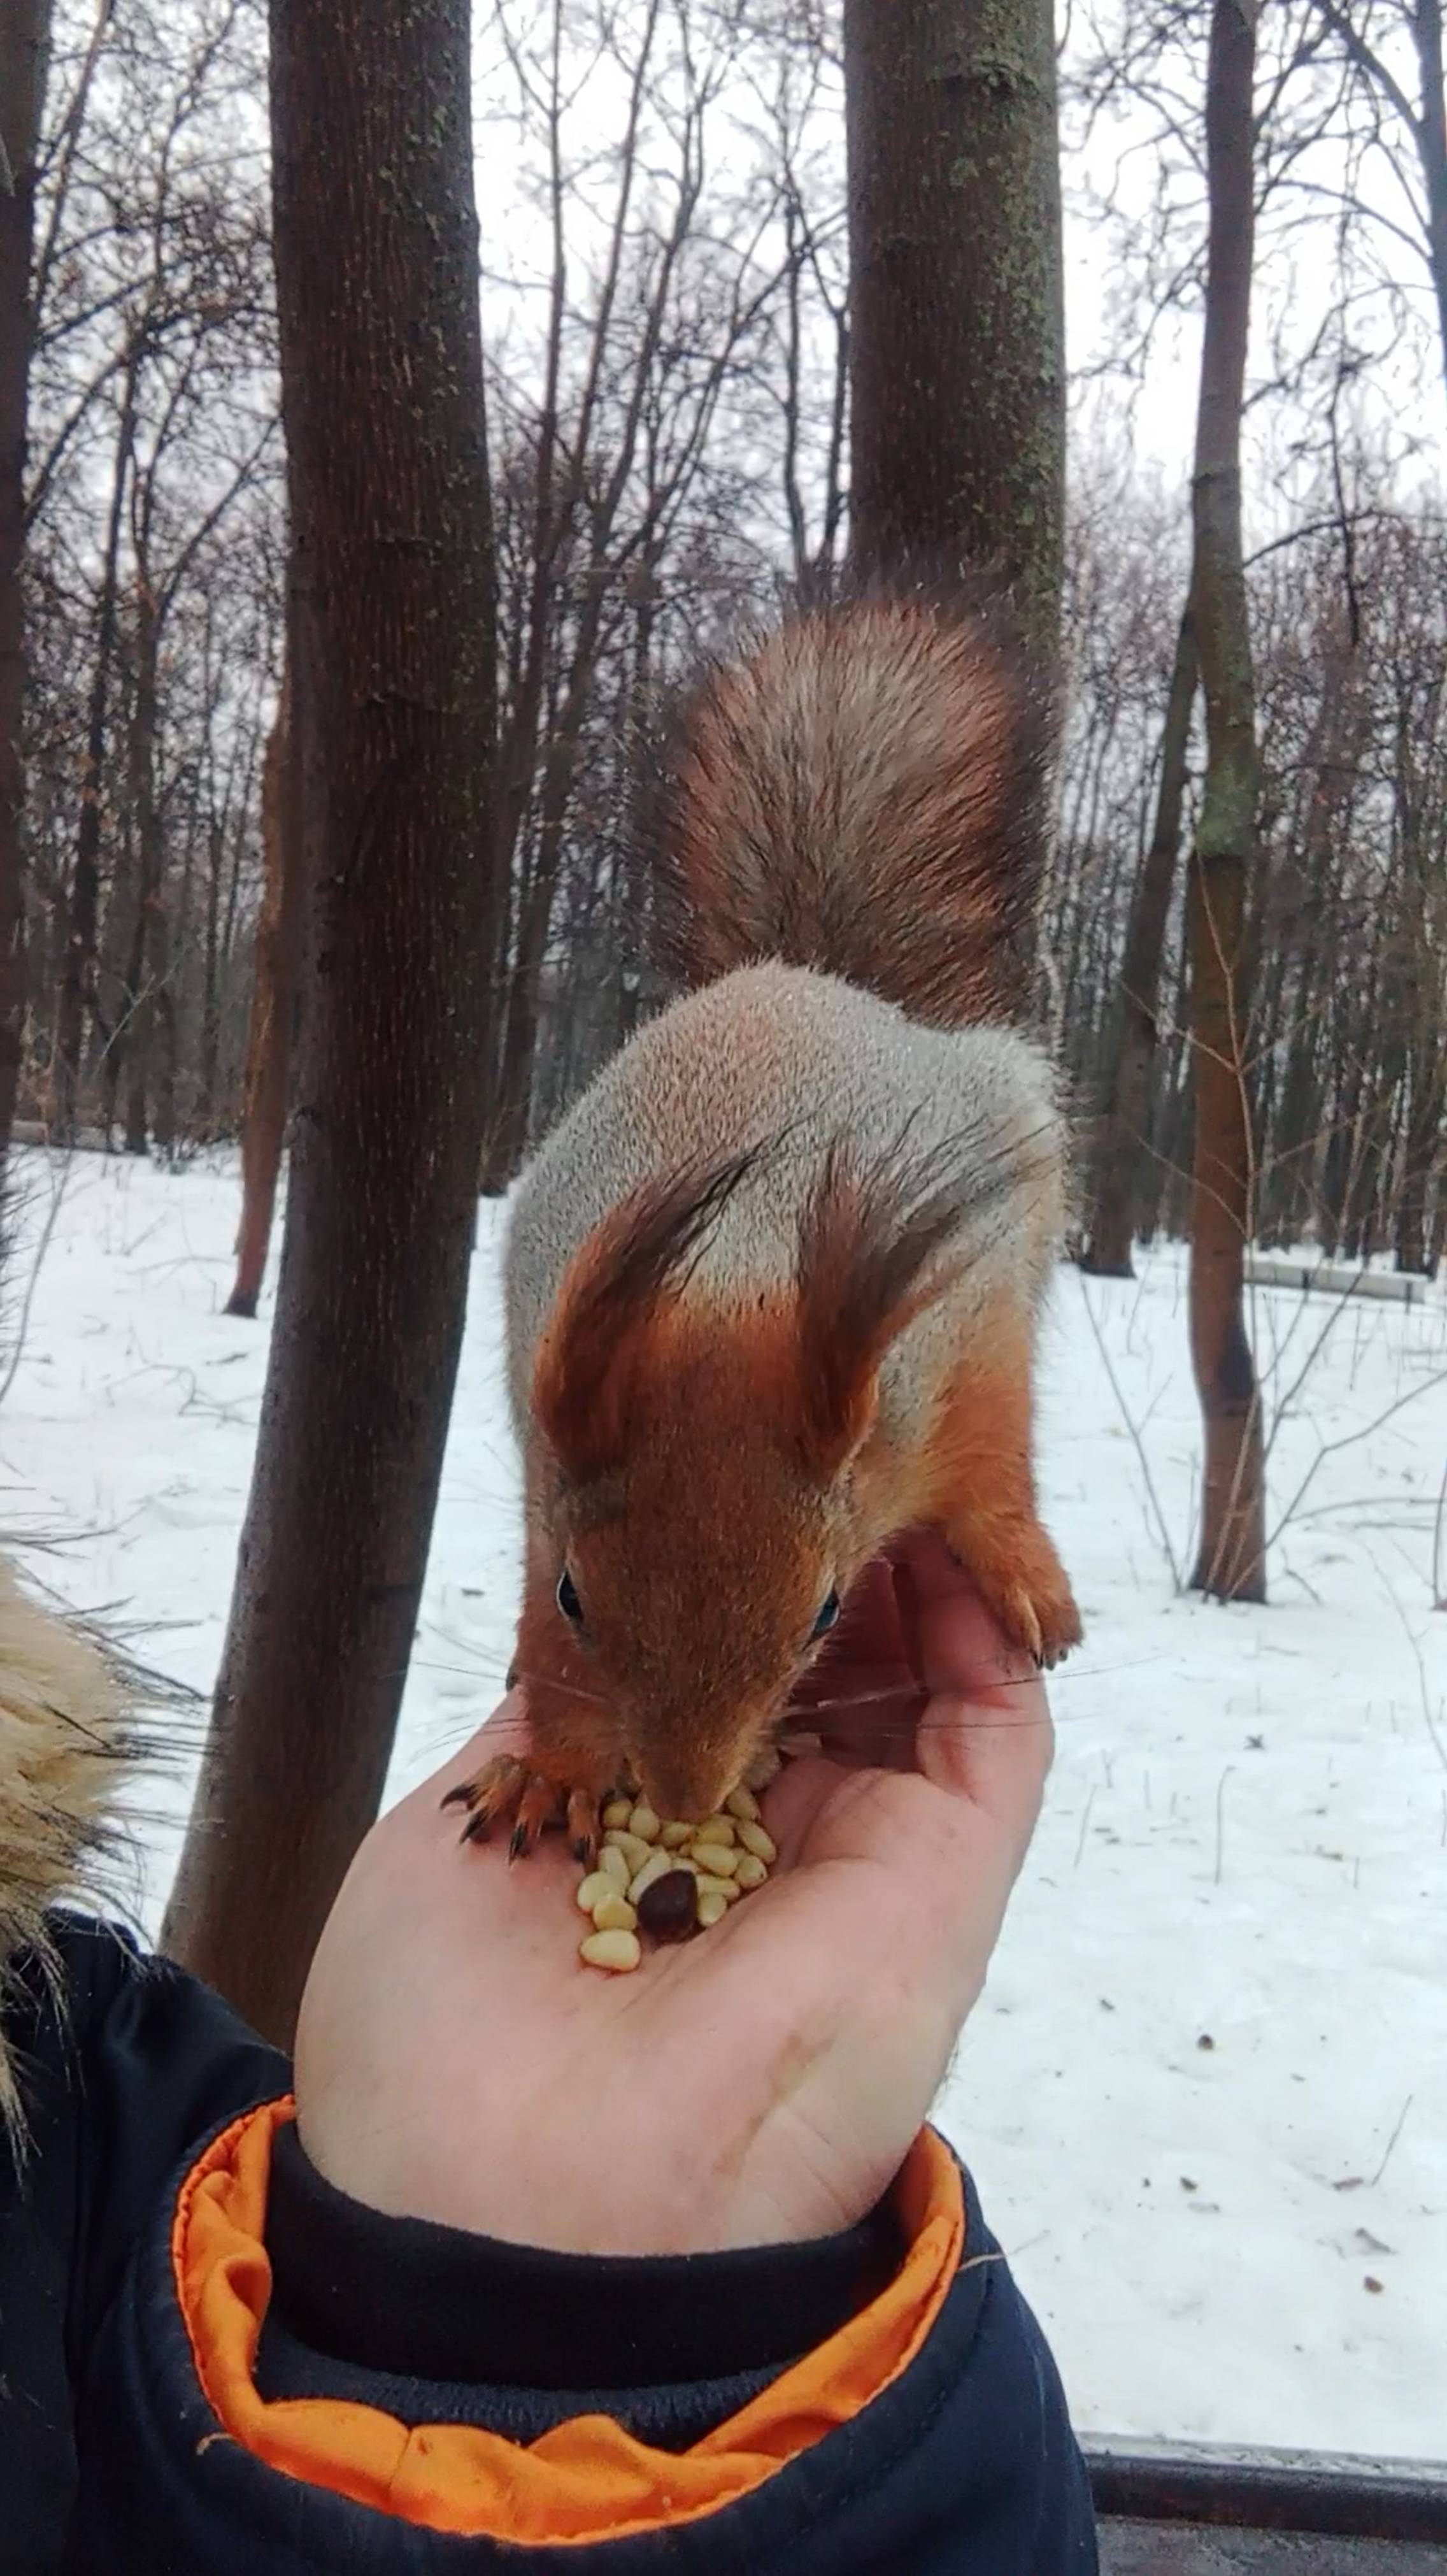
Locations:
{"points": [[1021, 1579], [513, 1788], [1047, 1624]]}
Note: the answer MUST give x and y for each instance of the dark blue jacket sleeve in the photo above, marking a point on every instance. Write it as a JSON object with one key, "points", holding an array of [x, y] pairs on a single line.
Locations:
{"points": [[121, 2062], [963, 2464]]}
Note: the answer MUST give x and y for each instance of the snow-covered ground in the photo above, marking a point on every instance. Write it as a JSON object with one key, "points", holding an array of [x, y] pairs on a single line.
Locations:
{"points": [[1206, 2093]]}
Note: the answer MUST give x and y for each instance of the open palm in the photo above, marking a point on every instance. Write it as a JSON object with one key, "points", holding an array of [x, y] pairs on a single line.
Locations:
{"points": [[763, 2082]]}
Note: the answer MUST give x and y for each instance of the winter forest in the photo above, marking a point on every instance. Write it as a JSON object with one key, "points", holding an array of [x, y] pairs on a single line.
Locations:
{"points": [[666, 343], [1179, 382]]}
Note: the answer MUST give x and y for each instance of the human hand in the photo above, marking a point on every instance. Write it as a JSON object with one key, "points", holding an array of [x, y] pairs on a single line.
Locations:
{"points": [[759, 2084]]}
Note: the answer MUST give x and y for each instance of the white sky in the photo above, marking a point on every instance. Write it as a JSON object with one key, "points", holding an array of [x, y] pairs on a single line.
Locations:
{"points": [[1398, 411]]}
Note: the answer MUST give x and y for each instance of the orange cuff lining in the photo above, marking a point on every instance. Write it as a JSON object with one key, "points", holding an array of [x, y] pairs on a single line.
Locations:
{"points": [[585, 2480]]}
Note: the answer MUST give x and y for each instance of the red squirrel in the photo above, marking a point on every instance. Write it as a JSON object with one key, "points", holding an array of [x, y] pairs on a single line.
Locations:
{"points": [[772, 1283]]}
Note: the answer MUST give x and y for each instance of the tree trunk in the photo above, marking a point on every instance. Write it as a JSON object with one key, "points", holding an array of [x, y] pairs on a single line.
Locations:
{"points": [[1376, 1127], [1430, 135], [205, 1121], [24, 35], [1422, 1158], [957, 346], [1437, 1249], [382, 399], [507, 1129], [1343, 1141], [165, 1049], [77, 979], [1298, 1125], [508, 1125], [1231, 1562], [273, 999], [132, 1044], [1126, 1113], [166, 1045], [517, 1010]]}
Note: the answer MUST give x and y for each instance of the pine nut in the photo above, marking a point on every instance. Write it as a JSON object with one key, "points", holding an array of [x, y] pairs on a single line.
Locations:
{"points": [[716, 1858], [761, 1844], [634, 1852], [657, 1865], [620, 1951], [664, 1878]]}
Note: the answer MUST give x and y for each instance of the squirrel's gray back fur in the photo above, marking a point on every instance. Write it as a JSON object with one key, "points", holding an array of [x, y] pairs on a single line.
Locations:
{"points": [[801, 1063]]}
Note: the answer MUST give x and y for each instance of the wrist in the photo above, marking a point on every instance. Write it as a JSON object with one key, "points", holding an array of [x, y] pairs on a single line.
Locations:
{"points": [[414, 2298], [631, 2171]]}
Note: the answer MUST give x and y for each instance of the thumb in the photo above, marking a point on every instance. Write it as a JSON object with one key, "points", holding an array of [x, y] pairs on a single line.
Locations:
{"points": [[985, 1733]]}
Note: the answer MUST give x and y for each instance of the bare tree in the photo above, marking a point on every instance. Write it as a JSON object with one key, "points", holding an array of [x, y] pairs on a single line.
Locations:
{"points": [[648, 323], [1126, 1109], [144, 995], [76, 998], [273, 1001], [376, 258], [149, 375], [1372, 36], [24, 28], [1231, 1559]]}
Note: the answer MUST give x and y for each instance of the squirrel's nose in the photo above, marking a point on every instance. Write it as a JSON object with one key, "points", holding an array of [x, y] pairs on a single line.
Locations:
{"points": [[681, 1791]]}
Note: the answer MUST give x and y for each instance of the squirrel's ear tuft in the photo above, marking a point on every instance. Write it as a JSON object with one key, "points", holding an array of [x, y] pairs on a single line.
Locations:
{"points": [[617, 1284], [872, 1247]]}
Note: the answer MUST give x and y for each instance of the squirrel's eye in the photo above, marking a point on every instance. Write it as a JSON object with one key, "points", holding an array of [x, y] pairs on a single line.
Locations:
{"points": [[568, 1602], [827, 1616]]}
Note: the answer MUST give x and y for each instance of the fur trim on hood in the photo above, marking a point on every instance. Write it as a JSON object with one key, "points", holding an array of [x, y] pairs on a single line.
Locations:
{"points": [[64, 1735]]}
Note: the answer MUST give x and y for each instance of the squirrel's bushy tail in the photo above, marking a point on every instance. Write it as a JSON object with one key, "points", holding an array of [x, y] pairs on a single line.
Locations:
{"points": [[865, 793]]}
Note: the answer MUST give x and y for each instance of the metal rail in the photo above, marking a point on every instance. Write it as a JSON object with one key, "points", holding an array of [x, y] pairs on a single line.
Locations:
{"points": [[1168, 2506]]}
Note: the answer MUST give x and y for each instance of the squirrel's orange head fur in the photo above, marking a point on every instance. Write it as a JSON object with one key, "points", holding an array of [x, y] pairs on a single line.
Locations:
{"points": [[710, 1485]]}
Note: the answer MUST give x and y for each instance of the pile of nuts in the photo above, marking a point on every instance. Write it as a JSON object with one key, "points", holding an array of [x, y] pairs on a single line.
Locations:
{"points": [[668, 1879]]}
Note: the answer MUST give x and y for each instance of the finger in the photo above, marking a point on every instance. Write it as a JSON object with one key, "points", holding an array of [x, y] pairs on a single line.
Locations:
{"points": [[985, 1733], [879, 1728], [866, 1637], [954, 1643], [896, 1894], [859, 1695]]}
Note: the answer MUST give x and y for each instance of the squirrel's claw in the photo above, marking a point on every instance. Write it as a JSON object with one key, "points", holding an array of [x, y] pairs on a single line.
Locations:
{"points": [[585, 1826], [510, 1787]]}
